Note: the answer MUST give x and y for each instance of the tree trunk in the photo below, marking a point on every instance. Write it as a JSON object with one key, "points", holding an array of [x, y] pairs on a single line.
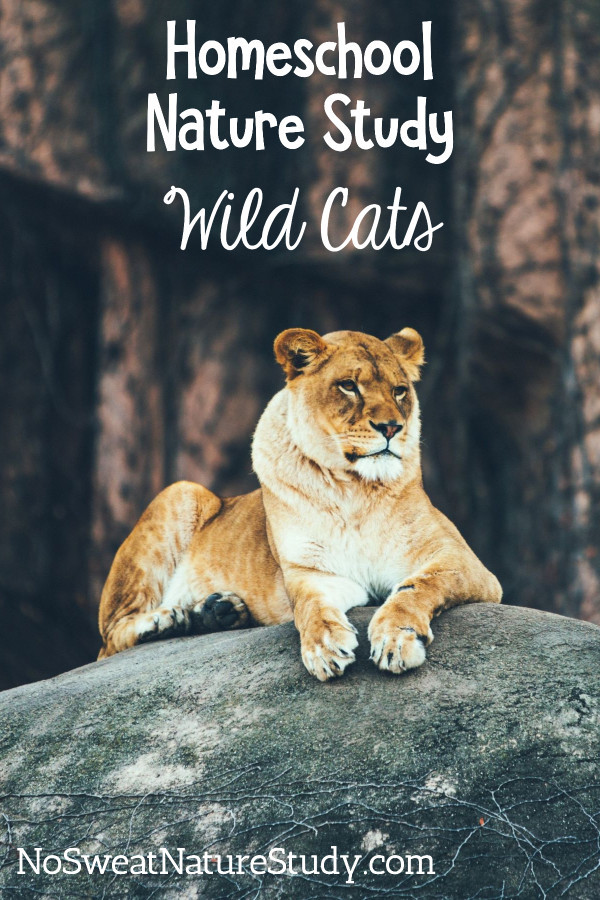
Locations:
{"points": [[129, 457], [528, 175], [48, 296]]}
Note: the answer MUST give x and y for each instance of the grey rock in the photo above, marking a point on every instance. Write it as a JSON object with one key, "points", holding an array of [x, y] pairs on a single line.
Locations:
{"points": [[486, 759]]}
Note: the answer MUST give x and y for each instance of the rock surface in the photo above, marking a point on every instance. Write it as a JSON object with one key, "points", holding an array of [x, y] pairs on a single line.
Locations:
{"points": [[485, 759]]}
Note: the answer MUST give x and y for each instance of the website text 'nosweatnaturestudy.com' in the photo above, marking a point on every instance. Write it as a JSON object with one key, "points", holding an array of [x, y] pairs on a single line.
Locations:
{"points": [[277, 861]]}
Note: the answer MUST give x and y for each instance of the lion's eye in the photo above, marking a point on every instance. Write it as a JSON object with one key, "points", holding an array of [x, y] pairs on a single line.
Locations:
{"points": [[348, 386], [400, 392]]}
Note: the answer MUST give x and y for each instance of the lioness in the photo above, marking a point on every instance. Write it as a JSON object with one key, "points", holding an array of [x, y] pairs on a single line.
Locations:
{"points": [[341, 519]]}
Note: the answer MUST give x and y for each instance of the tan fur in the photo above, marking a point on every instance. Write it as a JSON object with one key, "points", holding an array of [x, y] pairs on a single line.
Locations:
{"points": [[338, 520]]}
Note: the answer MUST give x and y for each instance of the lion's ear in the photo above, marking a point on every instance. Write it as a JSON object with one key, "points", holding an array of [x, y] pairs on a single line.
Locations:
{"points": [[297, 350], [407, 345]]}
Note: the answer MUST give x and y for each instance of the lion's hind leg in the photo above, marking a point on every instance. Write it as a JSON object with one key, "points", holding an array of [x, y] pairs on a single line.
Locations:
{"points": [[222, 611], [135, 606], [159, 623], [219, 612]]}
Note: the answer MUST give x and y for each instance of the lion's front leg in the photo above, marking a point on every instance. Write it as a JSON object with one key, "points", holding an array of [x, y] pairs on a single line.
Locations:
{"points": [[320, 602], [400, 630]]}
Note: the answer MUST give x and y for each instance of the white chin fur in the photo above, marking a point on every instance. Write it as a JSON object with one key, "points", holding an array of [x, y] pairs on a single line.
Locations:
{"points": [[379, 468]]}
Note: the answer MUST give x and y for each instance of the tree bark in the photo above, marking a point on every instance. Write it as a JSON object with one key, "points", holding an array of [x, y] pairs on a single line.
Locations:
{"points": [[47, 335], [527, 346], [129, 457]]}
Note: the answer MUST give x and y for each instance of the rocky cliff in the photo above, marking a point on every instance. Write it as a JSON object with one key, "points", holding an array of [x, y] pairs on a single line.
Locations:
{"points": [[485, 760]]}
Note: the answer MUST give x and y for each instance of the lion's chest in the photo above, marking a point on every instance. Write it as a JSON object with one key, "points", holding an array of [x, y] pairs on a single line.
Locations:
{"points": [[371, 553]]}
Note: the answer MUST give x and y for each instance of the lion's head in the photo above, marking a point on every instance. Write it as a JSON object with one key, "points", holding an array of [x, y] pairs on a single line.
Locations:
{"points": [[352, 403]]}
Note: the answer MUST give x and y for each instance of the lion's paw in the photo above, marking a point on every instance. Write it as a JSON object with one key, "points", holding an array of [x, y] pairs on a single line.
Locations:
{"points": [[161, 623], [219, 612], [397, 648], [328, 649]]}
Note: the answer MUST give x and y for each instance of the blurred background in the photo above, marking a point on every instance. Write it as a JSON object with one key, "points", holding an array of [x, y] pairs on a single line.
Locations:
{"points": [[126, 364]]}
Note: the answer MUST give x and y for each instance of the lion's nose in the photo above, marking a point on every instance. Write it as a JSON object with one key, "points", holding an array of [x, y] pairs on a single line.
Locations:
{"points": [[387, 429]]}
